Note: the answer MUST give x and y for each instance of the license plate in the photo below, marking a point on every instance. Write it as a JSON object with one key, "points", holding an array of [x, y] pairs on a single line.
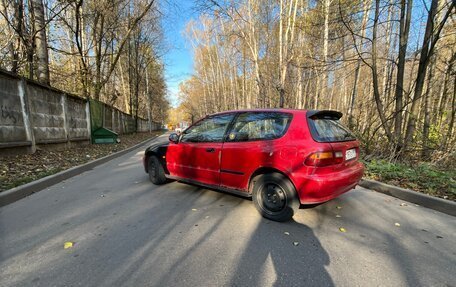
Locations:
{"points": [[350, 153]]}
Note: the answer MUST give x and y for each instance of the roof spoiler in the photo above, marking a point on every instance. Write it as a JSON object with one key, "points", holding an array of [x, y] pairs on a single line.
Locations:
{"points": [[324, 114]]}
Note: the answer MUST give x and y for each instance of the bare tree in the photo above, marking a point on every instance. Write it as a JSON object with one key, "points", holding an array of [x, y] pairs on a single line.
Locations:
{"points": [[404, 27], [430, 40]]}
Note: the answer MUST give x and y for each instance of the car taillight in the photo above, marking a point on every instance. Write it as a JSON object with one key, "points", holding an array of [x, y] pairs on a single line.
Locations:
{"points": [[324, 158]]}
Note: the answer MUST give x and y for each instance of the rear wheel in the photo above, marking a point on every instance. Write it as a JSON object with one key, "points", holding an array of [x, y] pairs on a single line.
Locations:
{"points": [[275, 197], [156, 171]]}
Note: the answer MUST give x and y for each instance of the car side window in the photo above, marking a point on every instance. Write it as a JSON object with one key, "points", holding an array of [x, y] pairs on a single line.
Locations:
{"points": [[211, 129], [259, 126]]}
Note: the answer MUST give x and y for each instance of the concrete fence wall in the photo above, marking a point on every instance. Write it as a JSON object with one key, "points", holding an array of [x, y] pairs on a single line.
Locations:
{"points": [[32, 114]]}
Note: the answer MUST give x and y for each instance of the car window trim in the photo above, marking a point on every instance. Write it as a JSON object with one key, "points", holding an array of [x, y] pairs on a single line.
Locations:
{"points": [[258, 112], [211, 117], [230, 126], [315, 137]]}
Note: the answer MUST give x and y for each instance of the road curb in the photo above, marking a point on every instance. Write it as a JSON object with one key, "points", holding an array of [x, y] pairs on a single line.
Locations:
{"points": [[435, 203], [19, 192]]}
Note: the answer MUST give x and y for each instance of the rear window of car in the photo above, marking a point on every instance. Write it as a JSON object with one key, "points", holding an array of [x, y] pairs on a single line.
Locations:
{"points": [[329, 130], [259, 126]]}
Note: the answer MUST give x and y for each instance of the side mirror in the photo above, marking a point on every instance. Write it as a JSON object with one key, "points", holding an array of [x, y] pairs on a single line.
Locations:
{"points": [[174, 138]]}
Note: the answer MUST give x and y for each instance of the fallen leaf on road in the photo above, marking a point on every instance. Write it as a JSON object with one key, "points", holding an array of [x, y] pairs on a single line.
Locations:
{"points": [[403, 204], [339, 207], [341, 229], [286, 233], [397, 224], [67, 245], [295, 243], [194, 209], [338, 216]]}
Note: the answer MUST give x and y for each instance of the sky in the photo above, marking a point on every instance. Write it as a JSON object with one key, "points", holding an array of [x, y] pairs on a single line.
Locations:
{"points": [[178, 57]]}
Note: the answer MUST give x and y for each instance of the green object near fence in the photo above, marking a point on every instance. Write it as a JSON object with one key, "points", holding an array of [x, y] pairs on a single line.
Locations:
{"points": [[99, 134], [102, 135], [119, 121], [96, 115]]}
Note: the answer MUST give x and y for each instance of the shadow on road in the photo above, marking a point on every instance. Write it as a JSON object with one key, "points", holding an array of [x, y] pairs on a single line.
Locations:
{"points": [[282, 254], [156, 247]]}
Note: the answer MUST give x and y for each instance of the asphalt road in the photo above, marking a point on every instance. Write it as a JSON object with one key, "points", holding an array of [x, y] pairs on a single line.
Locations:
{"points": [[127, 232]]}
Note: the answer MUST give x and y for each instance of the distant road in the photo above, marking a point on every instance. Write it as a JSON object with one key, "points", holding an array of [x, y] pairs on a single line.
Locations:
{"points": [[127, 232]]}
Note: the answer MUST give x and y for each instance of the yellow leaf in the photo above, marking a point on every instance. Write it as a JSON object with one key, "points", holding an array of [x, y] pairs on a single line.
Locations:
{"points": [[341, 229], [68, 244]]}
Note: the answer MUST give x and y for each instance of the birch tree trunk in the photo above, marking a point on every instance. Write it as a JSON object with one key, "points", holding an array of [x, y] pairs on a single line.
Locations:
{"points": [[366, 11], [324, 82], [41, 45]]}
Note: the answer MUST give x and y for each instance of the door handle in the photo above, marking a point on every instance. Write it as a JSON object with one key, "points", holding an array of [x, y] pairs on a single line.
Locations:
{"points": [[210, 149]]}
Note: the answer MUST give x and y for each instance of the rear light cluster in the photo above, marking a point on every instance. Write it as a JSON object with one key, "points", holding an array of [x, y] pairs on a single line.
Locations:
{"points": [[324, 158]]}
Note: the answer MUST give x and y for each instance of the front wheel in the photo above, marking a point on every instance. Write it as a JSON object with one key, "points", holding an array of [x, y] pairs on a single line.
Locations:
{"points": [[156, 171], [275, 197]]}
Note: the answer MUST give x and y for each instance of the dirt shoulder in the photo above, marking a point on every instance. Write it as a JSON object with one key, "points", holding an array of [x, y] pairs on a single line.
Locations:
{"points": [[21, 169]]}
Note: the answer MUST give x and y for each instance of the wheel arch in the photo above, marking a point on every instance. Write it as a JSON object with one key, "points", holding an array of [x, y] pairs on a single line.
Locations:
{"points": [[160, 153], [266, 170]]}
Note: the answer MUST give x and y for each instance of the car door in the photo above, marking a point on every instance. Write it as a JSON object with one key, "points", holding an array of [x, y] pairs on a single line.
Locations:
{"points": [[251, 144], [197, 155]]}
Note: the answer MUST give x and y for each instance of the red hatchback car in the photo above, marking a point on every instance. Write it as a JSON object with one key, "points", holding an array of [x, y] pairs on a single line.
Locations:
{"points": [[280, 157]]}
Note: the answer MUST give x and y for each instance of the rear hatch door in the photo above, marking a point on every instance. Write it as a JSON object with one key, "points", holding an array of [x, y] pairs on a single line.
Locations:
{"points": [[325, 127]]}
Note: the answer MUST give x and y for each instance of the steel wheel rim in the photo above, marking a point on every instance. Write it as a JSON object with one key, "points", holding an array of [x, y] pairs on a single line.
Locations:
{"points": [[272, 198]]}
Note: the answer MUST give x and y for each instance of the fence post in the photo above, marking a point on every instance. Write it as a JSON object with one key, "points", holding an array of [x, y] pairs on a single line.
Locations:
{"points": [[113, 125], [64, 115], [25, 107], [103, 113], [88, 120]]}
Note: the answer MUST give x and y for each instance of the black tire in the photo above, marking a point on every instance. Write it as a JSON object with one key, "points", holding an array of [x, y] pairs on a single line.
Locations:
{"points": [[275, 197], [156, 171]]}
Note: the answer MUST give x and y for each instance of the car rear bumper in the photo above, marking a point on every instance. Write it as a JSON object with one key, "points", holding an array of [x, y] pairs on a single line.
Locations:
{"points": [[320, 188]]}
